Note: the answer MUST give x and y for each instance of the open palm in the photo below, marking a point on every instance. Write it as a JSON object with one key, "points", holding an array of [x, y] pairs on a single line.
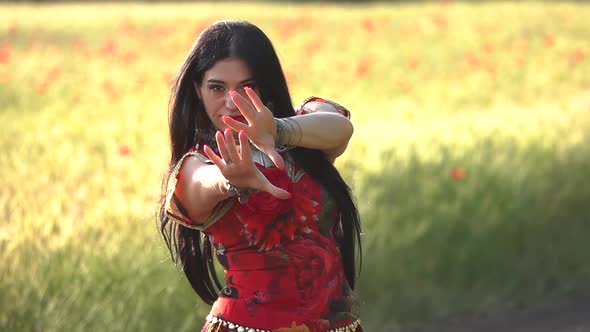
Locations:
{"points": [[237, 166], [261, 127]]}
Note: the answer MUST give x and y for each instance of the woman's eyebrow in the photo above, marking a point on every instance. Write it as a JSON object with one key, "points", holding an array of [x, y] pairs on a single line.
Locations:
{"points": [[213, 80]]}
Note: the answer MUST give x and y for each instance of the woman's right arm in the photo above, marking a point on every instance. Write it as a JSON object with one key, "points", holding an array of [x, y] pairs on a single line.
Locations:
{"points": [[199, 189], [201, 186]]}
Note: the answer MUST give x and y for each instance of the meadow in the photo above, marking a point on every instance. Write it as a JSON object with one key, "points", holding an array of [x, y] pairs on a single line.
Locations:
{"points": [[469, 159]]}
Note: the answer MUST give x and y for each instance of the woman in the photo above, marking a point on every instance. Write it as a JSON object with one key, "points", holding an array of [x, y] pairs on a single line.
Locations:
{"points": [[252, 181]]}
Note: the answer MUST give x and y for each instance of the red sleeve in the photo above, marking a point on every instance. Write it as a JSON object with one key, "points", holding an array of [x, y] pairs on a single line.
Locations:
{"points": [[341, 109]]}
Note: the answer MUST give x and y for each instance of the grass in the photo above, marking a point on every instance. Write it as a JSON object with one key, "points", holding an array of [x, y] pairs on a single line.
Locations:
{"points": [[469, 157]]}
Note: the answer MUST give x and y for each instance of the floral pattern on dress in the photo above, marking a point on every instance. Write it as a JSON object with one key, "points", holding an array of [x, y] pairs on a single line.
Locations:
{"points": [[283, 268], [268, 221]]}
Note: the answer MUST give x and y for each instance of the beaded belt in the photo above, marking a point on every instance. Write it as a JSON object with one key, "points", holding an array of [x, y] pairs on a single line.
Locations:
{"points": [[216, 324]]}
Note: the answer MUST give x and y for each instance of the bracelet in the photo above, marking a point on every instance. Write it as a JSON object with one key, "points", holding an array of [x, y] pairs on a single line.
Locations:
{"points": [[288, 134], [241, 193], [280, 137]]}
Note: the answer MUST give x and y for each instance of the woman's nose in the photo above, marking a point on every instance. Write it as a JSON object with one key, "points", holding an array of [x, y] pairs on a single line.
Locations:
{"points": [[229, 104]]}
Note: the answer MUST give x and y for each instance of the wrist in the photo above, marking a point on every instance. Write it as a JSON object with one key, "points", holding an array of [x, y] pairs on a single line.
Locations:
{"points": [[242, 194], [287, 134], [279, 132]]}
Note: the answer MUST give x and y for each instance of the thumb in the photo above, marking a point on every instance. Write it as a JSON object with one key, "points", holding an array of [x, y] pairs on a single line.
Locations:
{"points": [[276, 158], [277, 192]]}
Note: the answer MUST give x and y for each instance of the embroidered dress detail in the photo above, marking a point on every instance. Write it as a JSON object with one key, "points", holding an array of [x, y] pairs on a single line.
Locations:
{"points": [[341, 109], [175, 211], [216, 324]]}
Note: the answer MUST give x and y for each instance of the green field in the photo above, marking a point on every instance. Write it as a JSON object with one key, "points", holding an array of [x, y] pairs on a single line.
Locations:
{"points": [[469, 160]]}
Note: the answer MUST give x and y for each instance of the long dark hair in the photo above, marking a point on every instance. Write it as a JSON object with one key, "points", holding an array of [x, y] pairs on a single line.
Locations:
{"points": [[242, 40]]}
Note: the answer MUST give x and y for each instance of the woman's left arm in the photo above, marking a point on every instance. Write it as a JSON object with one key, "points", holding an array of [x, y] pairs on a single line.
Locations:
{"points": [[323, 128]]}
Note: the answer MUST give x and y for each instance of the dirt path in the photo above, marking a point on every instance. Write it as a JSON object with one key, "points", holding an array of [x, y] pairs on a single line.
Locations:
{"points": [[572, 315]]}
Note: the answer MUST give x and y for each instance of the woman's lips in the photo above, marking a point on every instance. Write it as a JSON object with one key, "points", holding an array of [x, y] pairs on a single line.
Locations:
{"points": [[239, 118]]}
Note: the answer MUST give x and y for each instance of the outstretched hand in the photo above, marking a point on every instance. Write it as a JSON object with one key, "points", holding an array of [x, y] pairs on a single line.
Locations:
{"points": [[261, 127], [237, 166]]}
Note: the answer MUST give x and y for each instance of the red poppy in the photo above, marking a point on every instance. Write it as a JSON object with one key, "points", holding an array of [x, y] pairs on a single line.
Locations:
{"points": [[549, 40], [362, 68], [41, 87], [368, 25], [472, 59], [412, 62], [110, 89], [128, 27], [108, 48], [128, 57], [457, 173], [5, 52], [124, 150], [439, 20], [312, 47], [488, 48], [578, 55]]}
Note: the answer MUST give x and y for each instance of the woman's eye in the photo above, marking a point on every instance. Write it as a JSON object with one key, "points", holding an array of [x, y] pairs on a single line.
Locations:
{"points": [[216, 88]]}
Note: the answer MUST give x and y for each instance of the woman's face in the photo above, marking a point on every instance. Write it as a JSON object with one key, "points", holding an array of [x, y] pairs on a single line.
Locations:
{"points": [[225, 75]]}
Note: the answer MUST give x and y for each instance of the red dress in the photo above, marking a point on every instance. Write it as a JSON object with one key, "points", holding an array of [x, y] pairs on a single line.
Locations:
{"points": [[283, 269]]}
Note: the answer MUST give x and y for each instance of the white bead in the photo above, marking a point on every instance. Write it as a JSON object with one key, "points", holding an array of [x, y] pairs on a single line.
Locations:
{"points": [[208, 317], [232, 326], [251, 330], [241, 329]]}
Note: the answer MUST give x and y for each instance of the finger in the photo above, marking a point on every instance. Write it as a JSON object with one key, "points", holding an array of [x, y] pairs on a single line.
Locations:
{"points": [[232, 149], [221, 145], [255, 99], [234, 124], [276, 191], [213, 157], [244, 106], [246, 153], [276, 158]]}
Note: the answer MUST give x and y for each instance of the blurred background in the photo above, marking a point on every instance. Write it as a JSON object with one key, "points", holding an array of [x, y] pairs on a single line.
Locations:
{"points": [[469, 161]]}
